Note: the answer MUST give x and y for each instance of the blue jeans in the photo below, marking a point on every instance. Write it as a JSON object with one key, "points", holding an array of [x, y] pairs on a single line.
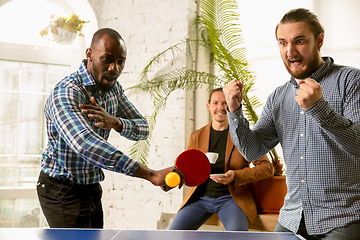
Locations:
{"points": [[195, 213], [350, 232]]}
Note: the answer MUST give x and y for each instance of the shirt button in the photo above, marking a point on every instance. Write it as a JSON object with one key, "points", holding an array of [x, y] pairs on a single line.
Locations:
{"points": [[235, 119], [301, 135], [302, 112], [302, 180], [301, 157]]}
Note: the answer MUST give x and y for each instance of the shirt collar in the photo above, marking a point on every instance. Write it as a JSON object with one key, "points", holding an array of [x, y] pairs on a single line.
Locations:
{"points": [[87, 79]]}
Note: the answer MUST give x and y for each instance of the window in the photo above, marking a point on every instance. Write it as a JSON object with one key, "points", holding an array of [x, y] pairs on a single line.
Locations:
{"points": [[29, 68], [23, 137]]}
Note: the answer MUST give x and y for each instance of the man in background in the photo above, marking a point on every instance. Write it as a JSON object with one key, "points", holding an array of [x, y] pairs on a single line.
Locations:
{"points": [[230, 196]]}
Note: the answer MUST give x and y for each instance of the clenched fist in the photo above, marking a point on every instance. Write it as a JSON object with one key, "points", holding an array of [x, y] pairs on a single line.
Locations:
{"points": [[309, 93], [234, 95]]}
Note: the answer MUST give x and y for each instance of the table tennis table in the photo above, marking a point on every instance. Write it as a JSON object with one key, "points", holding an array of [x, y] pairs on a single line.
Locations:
{"points": [[109, 234]]}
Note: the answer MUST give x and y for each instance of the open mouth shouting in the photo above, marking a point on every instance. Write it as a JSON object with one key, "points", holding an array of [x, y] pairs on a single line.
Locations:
{"points": [[109, 80], [296, 62]]}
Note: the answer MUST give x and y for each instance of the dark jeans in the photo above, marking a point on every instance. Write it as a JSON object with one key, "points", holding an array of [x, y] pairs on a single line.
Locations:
{"points": [[194, 214], [350, 232], [66, 204]]}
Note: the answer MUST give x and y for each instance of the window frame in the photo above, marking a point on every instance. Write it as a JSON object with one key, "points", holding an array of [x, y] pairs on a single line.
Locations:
{"points": [[37, 54]]}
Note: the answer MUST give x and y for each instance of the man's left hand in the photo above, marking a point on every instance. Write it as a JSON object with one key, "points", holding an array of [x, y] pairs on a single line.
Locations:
{"points": [[228, 178], [309, 93]]}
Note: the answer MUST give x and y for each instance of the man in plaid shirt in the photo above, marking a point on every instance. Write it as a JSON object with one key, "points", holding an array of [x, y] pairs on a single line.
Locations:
{"points": [[80, 113]]}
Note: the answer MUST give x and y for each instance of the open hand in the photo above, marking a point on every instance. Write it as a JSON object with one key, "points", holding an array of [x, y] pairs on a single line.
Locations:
{"points": [[103, 119], [228, 178]]}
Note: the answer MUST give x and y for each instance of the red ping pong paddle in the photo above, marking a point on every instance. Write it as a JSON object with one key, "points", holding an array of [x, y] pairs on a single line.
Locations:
{"points": [[195, 166]]}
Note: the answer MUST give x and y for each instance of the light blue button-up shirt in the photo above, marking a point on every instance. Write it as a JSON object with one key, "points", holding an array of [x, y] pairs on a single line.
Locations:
{"points": [[321, 148]]}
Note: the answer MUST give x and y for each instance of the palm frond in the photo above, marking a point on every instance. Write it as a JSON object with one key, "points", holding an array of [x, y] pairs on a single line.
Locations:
{"points": [[170, 55], [220, 22], [221, 29], [185, 79], [140, 150], [220, 32]]}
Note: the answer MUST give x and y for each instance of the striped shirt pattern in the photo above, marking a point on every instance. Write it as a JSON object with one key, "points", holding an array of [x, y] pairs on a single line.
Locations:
{"points": [[321, 148], [77, 150]]}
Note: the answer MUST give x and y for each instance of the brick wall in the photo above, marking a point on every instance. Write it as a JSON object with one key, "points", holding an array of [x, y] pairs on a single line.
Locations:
{"points": [[148, 27]]}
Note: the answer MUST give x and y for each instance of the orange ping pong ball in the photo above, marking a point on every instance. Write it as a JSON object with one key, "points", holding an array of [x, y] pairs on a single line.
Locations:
{"points": [[172, 179]]}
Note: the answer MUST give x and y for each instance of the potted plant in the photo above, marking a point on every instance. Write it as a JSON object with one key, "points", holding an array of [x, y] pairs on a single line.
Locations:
{"points": [[221, 34], [269, 194], [64, 30]]}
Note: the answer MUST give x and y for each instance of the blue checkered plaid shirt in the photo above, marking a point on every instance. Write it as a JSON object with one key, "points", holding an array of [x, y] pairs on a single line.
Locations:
{"points": [[321, 148], [78, 150]]}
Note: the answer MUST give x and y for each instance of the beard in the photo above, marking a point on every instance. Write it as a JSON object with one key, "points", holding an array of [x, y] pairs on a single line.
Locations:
{"points": [[104, 88], [104, 84], [310, 67], [303, 74]]}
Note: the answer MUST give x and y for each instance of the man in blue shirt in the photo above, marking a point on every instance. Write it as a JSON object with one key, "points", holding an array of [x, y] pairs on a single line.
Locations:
{"points": [[315, 117], [80, 112]]}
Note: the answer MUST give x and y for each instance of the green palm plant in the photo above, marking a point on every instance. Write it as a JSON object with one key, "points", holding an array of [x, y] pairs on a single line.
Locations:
{"points": [[219, 32]]}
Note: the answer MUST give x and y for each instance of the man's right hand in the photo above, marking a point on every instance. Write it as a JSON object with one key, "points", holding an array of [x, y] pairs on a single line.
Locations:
{"points": [[234, 95], [157, 177]]}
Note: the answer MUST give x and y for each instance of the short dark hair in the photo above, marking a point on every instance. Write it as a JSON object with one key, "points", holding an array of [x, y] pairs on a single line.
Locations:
{"points": [[302, 15], [213, 91], [113, 34]]}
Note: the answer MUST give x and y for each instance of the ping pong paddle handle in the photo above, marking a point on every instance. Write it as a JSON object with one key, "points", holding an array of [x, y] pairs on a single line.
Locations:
{"points": [[172, 179]]}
